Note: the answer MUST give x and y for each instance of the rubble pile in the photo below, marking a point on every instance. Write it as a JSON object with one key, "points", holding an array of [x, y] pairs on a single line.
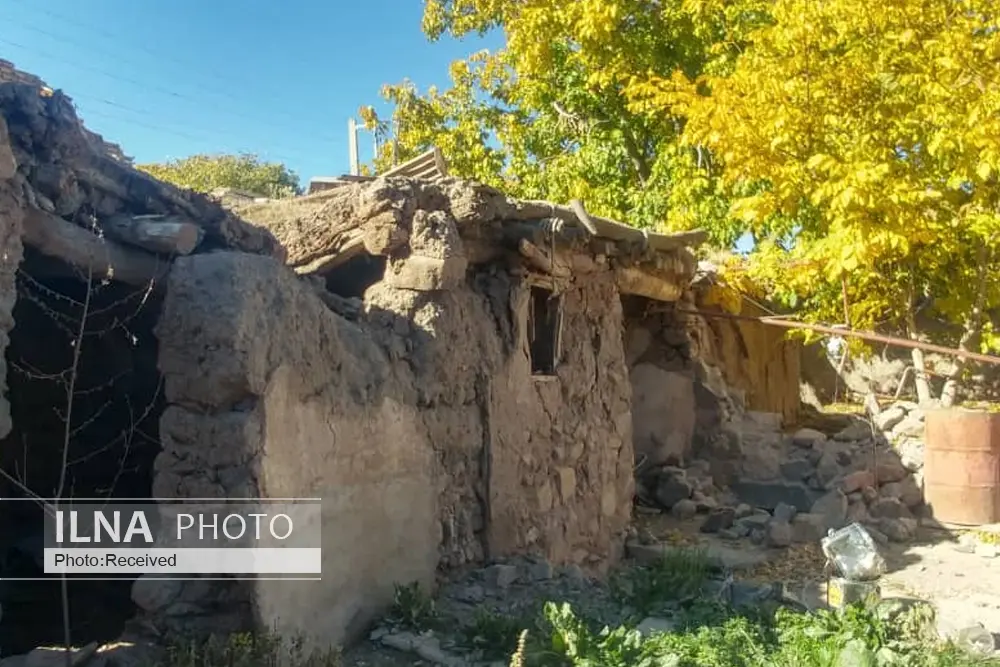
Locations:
{"points": [[793, 488], [64, 176]]}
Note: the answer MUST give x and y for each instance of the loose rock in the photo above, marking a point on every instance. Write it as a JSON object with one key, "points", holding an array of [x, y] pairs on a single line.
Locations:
{"points": [[856, 481], [719, 519], [673, 488], [889, 508], [897, 530], [808, 528], [833, 508], [684, 509], [889, 467], [888, 418], [784, 512], [501, 575], [779, 533], [906, 491], [808, 437]]}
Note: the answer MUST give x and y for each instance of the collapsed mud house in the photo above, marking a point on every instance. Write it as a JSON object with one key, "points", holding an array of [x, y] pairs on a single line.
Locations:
{"points": [[459, 376]]}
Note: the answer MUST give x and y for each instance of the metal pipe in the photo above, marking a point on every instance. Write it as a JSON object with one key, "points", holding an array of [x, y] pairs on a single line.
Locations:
{"points": [[844, 332]]}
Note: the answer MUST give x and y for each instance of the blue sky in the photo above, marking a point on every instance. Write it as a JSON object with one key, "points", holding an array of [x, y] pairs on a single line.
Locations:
{"points": [[167, 79]]}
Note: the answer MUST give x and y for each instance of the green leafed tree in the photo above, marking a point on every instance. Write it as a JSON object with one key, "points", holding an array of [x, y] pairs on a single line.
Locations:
{"points": [[858, 142], [548, 116], [247, 172]]}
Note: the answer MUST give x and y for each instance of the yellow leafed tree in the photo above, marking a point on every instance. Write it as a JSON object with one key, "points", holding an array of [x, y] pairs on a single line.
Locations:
{"points": [[871, 135]]}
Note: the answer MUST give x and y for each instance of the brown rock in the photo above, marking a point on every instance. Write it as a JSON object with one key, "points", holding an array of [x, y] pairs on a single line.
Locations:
{"points": [[889, 508], [906, 491], [870, 494], [808, 527], [684, 509], [719, 519], [779, 534], [857, 512], [856, 481], [889, 467], [898, 529], [833, 508]]}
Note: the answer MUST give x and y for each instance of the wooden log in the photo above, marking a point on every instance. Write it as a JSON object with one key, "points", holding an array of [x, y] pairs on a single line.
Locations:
{"points": [[106, 259], [632, 280], [536, 258], [168, 235]]}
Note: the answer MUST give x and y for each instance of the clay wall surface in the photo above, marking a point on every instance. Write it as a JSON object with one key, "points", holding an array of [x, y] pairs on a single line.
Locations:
{"points": [[560, 449], [420, 426], [755, 359], [274, 395]]}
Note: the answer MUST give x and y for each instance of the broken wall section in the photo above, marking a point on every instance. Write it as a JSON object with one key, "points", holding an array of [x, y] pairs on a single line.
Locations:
{"points": [[274, 395]]}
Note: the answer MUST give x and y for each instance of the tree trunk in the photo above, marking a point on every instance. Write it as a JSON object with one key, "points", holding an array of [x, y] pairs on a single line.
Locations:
{"points": [[973, 329], [919, 367]]}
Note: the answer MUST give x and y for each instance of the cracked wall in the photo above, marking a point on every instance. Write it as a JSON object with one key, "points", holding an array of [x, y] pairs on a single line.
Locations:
{"points": [[421, 427]]}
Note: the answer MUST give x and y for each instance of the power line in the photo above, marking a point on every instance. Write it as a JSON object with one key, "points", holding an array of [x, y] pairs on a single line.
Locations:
{"points": [[146, 112], [178, 133], [110, 35], [136, 82]]}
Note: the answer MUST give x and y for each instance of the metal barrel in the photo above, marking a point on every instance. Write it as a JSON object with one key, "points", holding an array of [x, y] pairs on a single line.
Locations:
{"points": [[962, 466]]}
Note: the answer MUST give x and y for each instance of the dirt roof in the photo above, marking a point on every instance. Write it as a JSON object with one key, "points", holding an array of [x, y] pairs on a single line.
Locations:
{"points": [[479, 222], [67, 176]]}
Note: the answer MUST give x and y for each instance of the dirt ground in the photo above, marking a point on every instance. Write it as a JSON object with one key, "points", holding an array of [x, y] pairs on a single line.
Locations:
{"points": [[963, 587]]}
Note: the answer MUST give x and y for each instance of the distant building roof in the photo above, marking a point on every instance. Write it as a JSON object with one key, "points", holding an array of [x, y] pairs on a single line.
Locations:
{"points": [[428, 166]]}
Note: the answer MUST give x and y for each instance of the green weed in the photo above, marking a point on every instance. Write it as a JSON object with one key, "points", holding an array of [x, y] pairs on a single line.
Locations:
{"points": [[680, 576], [494, 634], [413, 608], [248, 650], [714, 637]]}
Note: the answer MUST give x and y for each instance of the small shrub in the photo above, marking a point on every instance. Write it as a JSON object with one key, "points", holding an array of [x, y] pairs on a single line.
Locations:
{"points": [[855, 637], [494, 634], [248, 650], [679, 576], [413, 608]]}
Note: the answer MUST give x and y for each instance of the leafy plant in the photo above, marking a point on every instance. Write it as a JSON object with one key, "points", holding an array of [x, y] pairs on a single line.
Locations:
{"points": [[495, 634], [413, 608], [248, 650], [679, 576], [855, 637]]}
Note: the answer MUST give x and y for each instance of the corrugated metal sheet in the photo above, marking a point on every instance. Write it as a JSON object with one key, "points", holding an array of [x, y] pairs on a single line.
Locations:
{"points": [[428, 166]]}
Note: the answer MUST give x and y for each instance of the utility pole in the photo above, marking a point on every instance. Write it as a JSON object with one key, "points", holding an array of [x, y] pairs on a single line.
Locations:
{"points": [[352, 142]]}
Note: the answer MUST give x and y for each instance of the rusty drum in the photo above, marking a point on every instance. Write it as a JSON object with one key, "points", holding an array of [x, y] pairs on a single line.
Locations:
{"points": [[962, 466]]}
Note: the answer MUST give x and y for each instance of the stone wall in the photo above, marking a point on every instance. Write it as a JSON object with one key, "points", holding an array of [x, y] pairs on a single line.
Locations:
{"points": [[11, 213], [561, 452], [421, 427]]}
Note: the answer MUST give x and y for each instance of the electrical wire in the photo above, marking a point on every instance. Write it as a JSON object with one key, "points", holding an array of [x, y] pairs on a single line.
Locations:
{"points": [[181, 134], [158, 56], [147, 85], [284, 157]]}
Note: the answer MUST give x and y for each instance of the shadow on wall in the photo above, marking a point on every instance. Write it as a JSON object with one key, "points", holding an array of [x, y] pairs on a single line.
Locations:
{"points": [[422, 427]]}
